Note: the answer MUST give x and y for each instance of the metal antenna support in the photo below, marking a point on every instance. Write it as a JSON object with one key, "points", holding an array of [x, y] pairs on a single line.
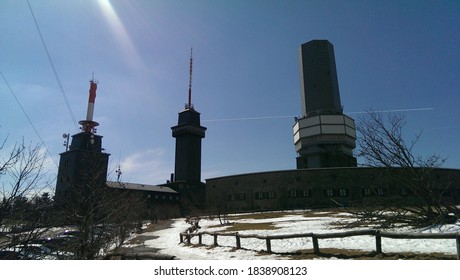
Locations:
{"points": [[190, 105], [66, 141]]}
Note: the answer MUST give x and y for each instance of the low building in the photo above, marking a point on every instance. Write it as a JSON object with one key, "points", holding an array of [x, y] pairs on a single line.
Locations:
{"points": [[327, 187], [160, 201]]}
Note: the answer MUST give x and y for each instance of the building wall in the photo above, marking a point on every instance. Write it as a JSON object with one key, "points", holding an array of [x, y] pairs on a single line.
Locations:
{"points": [[316, 188]]}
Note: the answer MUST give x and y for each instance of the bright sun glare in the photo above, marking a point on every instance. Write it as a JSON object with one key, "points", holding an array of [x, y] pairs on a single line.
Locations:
{"points": [[131, 55]]}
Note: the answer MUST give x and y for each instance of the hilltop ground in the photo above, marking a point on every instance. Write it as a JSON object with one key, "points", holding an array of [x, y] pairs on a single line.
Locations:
{"points": [[163, 239]]}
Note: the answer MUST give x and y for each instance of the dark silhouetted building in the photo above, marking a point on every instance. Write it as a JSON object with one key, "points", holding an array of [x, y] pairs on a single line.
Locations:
{"points": [[84, 164], [188, 133]]}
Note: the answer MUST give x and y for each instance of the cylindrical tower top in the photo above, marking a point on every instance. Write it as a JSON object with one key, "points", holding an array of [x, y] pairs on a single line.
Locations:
{"points": [[318, 79], [89, 125]]}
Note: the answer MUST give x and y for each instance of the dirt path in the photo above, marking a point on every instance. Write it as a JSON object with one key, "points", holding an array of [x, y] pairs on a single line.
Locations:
{"points": [[135, 248]]}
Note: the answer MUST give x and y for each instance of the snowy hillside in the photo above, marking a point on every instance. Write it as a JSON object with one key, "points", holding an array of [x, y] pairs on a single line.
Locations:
{"points": [[167, 240]]}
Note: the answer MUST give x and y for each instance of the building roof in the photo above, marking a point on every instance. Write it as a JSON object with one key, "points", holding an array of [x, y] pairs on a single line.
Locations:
{"points": [[139, 187]]}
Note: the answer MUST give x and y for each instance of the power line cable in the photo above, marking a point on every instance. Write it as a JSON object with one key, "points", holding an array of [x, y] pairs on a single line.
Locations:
{"points": [[53, 67], [28, 118]]}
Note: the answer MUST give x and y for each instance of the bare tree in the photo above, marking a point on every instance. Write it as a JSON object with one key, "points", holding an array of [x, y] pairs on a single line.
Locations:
{"points": [[100, 217], [22, 178], [382, 144]]}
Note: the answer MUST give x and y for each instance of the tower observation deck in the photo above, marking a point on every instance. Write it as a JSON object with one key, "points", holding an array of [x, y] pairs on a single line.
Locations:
{"points": [[323, 135]]}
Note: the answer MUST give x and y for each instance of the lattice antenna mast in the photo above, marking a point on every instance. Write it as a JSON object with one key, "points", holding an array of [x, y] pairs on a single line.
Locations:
{"points": [[189, 104]]}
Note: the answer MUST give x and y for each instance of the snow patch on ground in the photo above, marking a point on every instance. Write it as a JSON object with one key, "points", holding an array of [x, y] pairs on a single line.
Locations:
{"points": [[168, 241]]}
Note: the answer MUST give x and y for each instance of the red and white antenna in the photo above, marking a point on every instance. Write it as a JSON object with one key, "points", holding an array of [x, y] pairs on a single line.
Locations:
{"points": [[89, 125], [189, 104]]}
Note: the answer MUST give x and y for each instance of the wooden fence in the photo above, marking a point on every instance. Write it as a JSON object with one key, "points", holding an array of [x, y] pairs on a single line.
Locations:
{"points": [[315, 237]]}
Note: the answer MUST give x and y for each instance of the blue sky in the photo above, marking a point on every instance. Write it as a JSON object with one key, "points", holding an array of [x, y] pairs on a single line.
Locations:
{"points": [[389, 54]]}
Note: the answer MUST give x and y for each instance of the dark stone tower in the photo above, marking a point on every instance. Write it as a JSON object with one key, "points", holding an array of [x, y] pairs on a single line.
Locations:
{"points": [[188, 133], [323, 135], [84, 164]]}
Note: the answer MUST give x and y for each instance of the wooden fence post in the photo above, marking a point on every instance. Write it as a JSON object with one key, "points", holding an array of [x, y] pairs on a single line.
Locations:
{"points": [[315, 244], [238, 241], [378, 242], [200, 238], [189, 239], [458, 246], [269, 245], [181, 237], [215, 240]]}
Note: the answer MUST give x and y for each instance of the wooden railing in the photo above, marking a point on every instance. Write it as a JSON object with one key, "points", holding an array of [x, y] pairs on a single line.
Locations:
{"points": [[315, 237]]}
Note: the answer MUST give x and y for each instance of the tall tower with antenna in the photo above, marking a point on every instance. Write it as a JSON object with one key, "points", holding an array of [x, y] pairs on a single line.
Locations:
{"points": [[188, 133], [323, 135], [84, 164]]}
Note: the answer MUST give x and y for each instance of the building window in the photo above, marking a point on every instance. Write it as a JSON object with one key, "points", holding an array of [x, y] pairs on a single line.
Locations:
{"points": [[381, 191], [403, 191], [265, 195], [239, 196], [329, 192], [299, 193], [343, 192], [367, 192], [236, 196]]}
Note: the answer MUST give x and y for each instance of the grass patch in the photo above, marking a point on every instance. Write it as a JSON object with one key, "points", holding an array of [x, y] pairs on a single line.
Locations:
{"points": [[140, 239], [259, 216], [280, 214], [362, 255], [237, 227]]}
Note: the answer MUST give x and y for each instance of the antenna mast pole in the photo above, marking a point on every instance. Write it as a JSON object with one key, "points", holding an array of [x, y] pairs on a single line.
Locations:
{"points": [[89, 125], [190, 105]]}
